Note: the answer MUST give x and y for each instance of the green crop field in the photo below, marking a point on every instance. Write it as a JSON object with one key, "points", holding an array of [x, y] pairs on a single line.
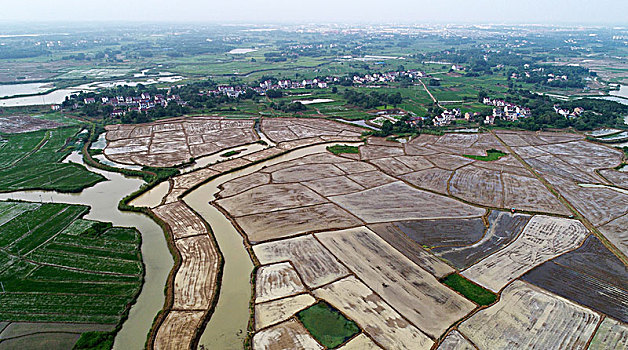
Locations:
{"points": [[32, 160], [59, 267], [327, 325], [470, 290], [491, 155]]}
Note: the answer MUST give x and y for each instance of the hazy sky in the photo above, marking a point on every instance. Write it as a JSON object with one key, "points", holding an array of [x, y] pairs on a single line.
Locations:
{"points": [[308, 11]]}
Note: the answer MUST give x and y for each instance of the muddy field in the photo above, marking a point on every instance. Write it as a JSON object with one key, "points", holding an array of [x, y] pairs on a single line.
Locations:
{"points": [[175, 141], [194, 281], [16, 124], [409, 289], [610, 335], [503, 228], [178, 330], [455, 341], [590, 275], [273, 312], [291, 129], [528, 317], [542, 239], [398, 201], [287, 335], [373, 315], [276, 281], [314, 263], [34, 335], [411, 249], [360, 342], [443, 232]]}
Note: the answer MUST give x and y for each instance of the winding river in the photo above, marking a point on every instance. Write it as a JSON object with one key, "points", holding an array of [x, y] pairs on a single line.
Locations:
{"points": [[103, 199]]}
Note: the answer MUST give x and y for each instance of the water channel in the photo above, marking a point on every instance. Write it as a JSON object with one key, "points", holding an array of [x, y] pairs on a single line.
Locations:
{"points": [[103, 199]]}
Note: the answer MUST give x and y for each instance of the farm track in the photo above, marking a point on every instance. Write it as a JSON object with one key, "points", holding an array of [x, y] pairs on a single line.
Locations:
{"points": [[566, 203]]}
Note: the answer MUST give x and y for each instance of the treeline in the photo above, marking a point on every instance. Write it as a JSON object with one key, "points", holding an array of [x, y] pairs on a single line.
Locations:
{"points": [[372, 100]]}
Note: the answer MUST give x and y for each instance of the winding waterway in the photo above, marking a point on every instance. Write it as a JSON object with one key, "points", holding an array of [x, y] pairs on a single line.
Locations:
{"points": [[228, 325], [103, 199]]}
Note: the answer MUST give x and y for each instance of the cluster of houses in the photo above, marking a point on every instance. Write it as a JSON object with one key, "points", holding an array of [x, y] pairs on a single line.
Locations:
{"points": [[237, 90], [567, 113], [142, 103], [505, 110], [450, 115], [386, 77]]}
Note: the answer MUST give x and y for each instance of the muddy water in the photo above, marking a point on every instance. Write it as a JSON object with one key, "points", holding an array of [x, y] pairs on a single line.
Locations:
{"points": [[103, 199], [152, 198], [228, 325]]}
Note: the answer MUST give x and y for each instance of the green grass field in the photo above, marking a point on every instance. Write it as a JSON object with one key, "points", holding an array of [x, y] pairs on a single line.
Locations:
{"points": [[470, 290], [339, 149], [58, 267], [327, 325], [491, 155], [33, 161]]}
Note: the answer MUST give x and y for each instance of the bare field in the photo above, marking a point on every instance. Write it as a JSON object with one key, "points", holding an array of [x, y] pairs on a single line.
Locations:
{"points": [[24, 123], [269, 198], [398, 201], [361, 342], [276, 311], [455, 341], [276, 281], [289, 129], [178, 329], [181, 219], [434, 179], [610, 335], [291, 222], [314, 263], [287, 335], [243, 183], [412, 291], [477, 185], [503, 228], [590, 275], [195, 281], [443, 232], [528, 317], [373, 315], [174, 141], [542, 239], [411, 249]]}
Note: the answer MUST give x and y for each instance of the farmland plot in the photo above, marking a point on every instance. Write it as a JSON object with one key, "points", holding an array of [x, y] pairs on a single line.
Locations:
{"points": [[610, 335], [528, 317], [181, 219], [276, 281], [272, 312], [361, 342], [503, 228], [373, 315], [542, 239], [411, 249], [44, 151], [174, 141], [398, 201], [433, 179], [590, 275], [196, 278], [412, 291], [314, 263], [443, 232], [478, 185], [291, 129], [178, 329], [288, 335], [455, 341], [89, 274]]}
